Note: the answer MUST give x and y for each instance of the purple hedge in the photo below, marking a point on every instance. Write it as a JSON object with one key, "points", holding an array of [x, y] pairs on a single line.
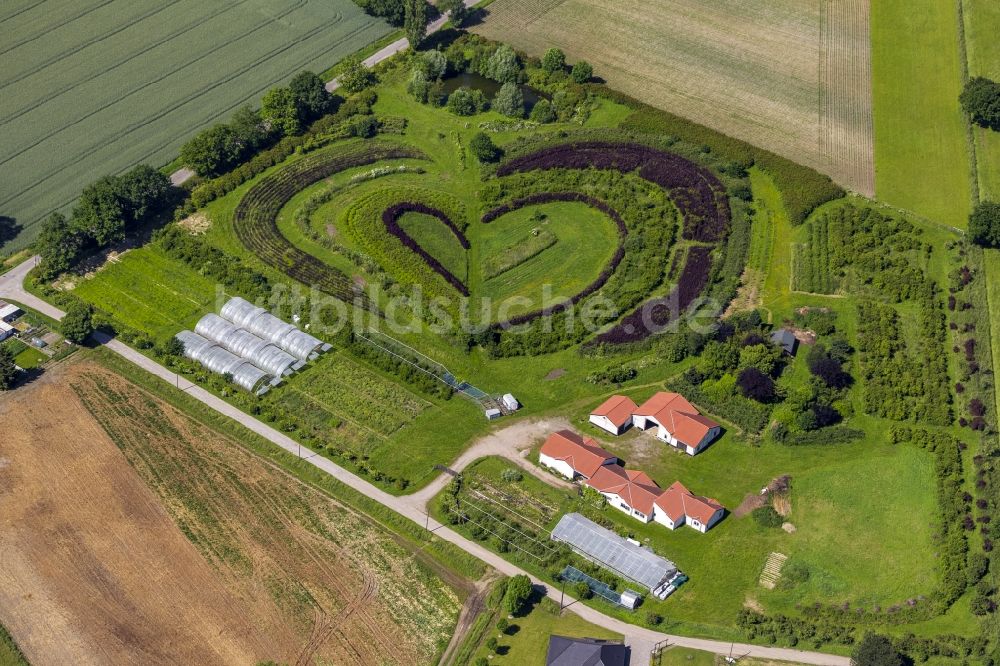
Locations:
{"points": [[551, 197], [390, 217], [655, 315], [699, 195]]}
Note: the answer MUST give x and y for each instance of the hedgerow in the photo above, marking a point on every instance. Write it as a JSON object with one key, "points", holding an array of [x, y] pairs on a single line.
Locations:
{"points": [[390, 218], [802, 189]]}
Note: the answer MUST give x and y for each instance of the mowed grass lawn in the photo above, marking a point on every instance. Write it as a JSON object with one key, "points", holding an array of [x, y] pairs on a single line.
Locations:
{"points": [[151, 292], [982, 25], [587, 238], [438, 240], [921, 156], [91, 87], [529, 643]]}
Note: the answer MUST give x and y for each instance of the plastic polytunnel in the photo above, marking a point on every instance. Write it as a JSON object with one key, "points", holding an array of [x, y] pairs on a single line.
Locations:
{"points": [[263, 324], [245, 344], [245, 374]]}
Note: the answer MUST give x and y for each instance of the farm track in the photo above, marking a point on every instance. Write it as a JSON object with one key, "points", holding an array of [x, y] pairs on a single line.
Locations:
{"points": [[255, 219]]}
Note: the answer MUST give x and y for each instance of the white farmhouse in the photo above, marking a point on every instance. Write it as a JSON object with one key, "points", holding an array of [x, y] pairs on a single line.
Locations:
{"points": [[678, 506], [614, 414], [677, 422], [571, 455]]}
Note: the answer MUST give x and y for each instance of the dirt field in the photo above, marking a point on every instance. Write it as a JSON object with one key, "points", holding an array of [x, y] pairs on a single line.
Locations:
{"points": [[95, 566], [790, 76]]}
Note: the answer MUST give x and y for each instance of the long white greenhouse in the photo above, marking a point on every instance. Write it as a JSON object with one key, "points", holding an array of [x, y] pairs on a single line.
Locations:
{"points": [[244, 373], [245, 344], [263, 324]]}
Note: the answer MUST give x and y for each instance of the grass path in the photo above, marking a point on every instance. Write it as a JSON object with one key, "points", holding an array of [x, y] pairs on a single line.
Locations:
{"points": [[991, 262]]}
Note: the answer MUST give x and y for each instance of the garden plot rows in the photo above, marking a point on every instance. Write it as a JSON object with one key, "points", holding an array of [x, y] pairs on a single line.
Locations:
{"points": [[353, 392], [96, 86], [149, 291], [750, 70]]}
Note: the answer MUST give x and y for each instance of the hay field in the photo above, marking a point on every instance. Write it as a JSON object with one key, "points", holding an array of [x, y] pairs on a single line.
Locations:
{"points": [[789, 76], [90, 87], [134, 534]]}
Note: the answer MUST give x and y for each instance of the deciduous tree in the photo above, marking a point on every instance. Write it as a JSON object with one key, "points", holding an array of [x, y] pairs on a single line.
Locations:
{"points": [[984, 224], [415, 21], [554, 61], [509, 100], [8, 370], [875, 650], [981, 100], [78, 324], [582, 72]]}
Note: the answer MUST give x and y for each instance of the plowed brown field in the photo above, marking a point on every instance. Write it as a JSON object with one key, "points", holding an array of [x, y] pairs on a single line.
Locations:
{"points": [[790, 76], [100, 483]]}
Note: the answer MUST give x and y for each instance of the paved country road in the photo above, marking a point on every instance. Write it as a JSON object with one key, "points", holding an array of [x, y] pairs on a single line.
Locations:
{"points": [[640, 639]]}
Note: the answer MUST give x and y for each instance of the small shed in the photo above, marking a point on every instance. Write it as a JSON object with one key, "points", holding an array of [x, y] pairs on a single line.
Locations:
{"points": [[509, 402], [631, 599], [493, 413], [786, 340], [9, 313]]}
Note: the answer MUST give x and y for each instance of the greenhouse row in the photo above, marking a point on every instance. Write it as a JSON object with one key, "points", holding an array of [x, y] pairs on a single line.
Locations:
{"points": [[250, 345]]}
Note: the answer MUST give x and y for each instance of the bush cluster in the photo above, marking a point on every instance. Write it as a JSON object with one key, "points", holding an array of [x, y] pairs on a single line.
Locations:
{"points": [[106, 209]]}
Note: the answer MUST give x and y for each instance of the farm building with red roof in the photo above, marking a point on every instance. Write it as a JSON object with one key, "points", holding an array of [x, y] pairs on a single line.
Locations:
{"points": [[628, 490], [678, 506], [676, 422], [571, 455], [614, 414]]}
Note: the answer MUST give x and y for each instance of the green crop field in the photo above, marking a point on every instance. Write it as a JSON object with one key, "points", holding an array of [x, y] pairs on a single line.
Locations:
{"points": [[982, 24], [919, 124], [150, 292], [91, 87]]}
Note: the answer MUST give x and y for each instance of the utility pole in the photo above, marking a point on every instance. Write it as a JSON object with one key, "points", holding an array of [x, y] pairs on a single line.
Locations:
{"points": [[562, 592]]}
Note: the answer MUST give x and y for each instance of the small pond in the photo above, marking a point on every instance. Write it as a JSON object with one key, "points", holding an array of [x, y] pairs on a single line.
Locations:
{"points": [[490, 88]]}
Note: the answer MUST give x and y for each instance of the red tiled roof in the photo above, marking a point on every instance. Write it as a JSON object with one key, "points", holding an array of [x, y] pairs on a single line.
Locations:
{"points": [[677, 501], [635, 487], [678, 416], [582, 454], [618, 409]]}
